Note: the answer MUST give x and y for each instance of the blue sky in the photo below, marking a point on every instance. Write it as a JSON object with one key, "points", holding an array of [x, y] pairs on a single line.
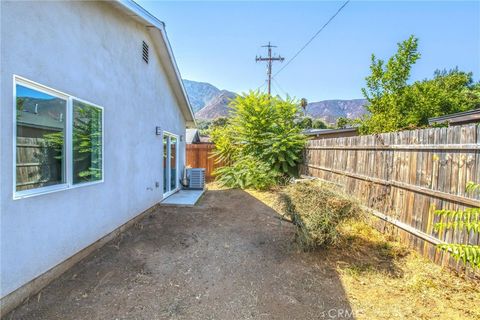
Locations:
{"points": [[30, 93], [216, 42]]}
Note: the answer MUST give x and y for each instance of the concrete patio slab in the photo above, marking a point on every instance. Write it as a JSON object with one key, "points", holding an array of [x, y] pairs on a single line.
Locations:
{"points": [[183, 198]]}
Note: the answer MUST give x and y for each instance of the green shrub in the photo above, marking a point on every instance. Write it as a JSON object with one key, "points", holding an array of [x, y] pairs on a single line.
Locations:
{"points": [[246, 173], [317, 210], [262, 127]]}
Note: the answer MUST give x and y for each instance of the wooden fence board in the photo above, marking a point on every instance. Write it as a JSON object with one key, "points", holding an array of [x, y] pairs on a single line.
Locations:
{"points": [[200, 156], [401, 175]]}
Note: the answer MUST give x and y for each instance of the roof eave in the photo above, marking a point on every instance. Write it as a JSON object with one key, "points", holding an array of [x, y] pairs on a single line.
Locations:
{"points": [[459, 117], [312, 132]]}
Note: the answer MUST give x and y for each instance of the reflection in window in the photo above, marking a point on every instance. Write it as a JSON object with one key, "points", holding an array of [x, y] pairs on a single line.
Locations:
{"points": [[40, 139], [87, 142]]}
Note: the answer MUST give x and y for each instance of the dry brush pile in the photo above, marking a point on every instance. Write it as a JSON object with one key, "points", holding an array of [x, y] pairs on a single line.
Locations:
{"points": [[317, 209]]}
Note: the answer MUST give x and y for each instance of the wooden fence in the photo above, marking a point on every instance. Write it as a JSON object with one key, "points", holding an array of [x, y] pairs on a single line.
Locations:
{"points": [[399, 176], [199, 156], [37, 165]]}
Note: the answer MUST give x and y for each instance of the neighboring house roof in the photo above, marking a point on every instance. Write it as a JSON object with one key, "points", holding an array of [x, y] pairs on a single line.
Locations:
{"points": [[470, 116], [156, 29], [32, 120], [192, 136], [318, 132]]}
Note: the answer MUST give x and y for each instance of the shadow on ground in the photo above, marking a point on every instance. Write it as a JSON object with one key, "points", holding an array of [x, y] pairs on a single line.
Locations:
{"points": [[230, 257]]}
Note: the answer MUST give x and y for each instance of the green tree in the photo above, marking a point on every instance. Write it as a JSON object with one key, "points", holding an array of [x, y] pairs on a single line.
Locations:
{"points": [[319, 124], [203, 126], [448, 92], [305, 122], [343, 123], [385, 86], [263, 128], [393, 104], [219, 122]]}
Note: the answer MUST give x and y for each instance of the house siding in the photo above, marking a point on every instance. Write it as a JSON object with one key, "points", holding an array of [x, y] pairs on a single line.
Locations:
{"points": [[92, 51]]}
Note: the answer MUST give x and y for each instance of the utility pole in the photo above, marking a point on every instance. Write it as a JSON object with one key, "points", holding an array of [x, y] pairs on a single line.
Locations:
{"points": [[269, 60]]}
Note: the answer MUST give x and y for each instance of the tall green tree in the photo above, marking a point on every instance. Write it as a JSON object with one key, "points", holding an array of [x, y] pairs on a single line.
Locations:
{"points": [[305, 122], [394, 104], [263, 128]]}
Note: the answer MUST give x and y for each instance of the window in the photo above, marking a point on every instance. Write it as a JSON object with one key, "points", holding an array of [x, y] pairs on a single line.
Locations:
{"points": [[87, 142], [58, 140], [40, 139]]}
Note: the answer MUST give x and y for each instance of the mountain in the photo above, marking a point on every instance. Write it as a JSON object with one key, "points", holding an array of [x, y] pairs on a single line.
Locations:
{"points": [[330, 110], [200, 93], [217, 107], [209, 102]]}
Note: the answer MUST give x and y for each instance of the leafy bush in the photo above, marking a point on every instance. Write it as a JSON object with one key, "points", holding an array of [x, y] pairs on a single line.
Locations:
{"points": [[247, 173], [262, 128], [317, 210], [467, 219]]}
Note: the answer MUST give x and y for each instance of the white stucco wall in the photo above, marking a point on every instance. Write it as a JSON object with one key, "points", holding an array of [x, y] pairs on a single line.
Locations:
{"points": [[93, 52]]}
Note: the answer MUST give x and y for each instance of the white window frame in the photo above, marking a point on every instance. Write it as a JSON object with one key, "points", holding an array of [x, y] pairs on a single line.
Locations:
{"points": [[169, 172], [68, 153]]}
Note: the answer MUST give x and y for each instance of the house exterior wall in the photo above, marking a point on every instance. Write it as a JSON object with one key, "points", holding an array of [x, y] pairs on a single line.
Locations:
{"points": [[92, 51]]}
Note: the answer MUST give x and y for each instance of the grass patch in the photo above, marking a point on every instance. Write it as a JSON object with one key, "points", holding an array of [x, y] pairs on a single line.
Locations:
{"points": [[384, 279]]}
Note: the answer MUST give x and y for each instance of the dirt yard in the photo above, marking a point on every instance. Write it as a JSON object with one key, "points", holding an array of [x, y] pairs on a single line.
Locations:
{"points": [[231, 257]]}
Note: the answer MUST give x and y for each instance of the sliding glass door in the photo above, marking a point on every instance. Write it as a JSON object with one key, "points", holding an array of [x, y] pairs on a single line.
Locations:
{"points": [[170, 163]]}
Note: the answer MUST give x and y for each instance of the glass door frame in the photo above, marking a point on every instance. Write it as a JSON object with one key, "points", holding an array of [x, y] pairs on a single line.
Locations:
{"points": [[169, 191]]}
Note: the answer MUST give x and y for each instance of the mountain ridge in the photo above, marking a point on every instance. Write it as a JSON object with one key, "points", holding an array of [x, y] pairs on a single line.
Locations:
{"points": [[199, 93], [209, 102]]}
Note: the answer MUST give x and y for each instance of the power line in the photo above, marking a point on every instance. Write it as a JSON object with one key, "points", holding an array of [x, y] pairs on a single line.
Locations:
{"points": [[311, 39], [261, 86], [279, 87]]}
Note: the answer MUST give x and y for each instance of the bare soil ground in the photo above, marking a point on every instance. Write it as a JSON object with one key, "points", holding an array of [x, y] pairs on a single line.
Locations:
{"points": [[230, 257]]}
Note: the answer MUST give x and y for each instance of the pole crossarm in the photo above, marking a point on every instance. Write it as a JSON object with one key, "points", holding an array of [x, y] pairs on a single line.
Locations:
{"points": [[269, 61]]}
